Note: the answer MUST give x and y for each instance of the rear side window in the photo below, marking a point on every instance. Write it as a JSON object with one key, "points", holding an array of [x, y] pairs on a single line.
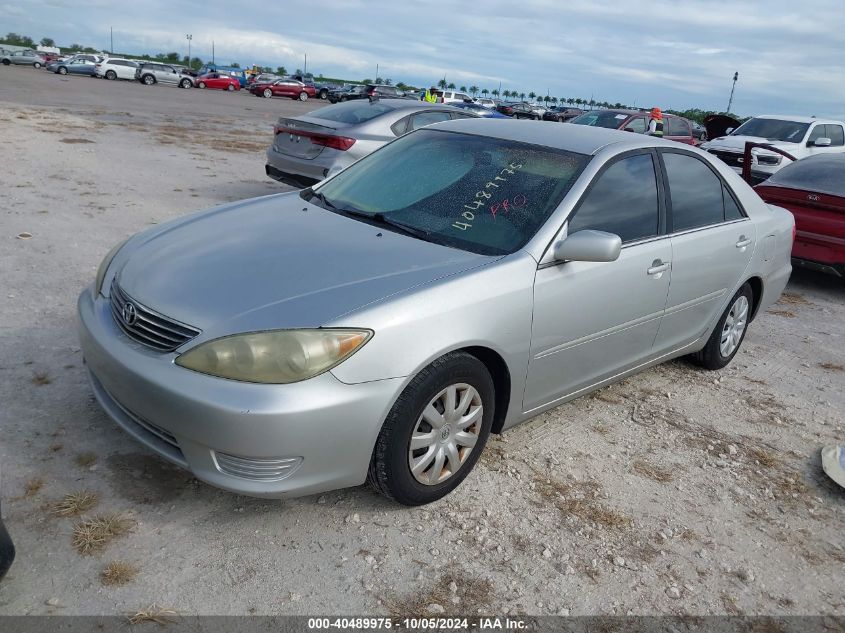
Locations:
{"points": [[678, 127], [623, 201], [732, 210], [695, 192], [427, 118]]}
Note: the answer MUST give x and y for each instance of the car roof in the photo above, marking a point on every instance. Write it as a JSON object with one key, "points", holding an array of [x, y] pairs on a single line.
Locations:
{"points": [[582, 139], [795, 119], [402, 104]]}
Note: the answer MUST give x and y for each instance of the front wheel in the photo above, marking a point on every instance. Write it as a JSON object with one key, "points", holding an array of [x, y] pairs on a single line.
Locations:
{"points": [[37, 65], [435, 432], [62, 70], [6, 62], [268, 93], [185, 83], [343, 98], [201, 85], [303, 96], [111, 75], [231, 88], [729, 332], [149, 80], [324, 94]]}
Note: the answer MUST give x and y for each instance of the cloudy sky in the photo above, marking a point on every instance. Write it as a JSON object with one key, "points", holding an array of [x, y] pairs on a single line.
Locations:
{"points": [[674, 53]]}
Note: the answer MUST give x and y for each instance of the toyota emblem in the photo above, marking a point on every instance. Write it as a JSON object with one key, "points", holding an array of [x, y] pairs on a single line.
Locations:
{"points": [[130, 313]]}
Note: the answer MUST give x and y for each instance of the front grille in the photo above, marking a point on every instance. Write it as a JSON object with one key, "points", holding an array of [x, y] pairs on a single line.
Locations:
{"points": [[257, 469], [731, 158], [160, 433], [147, 326]]}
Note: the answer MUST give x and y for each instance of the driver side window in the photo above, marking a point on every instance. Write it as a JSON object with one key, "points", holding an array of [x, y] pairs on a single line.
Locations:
{"points": [[622, 200]]}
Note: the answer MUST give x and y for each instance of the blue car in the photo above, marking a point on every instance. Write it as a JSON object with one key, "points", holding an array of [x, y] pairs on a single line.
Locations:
{"points": [[479, 110], [73, 67]]}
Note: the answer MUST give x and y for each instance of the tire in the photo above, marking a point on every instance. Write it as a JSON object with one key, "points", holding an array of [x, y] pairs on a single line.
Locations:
{"points": [[268, 93], [36, 65], [324, 94], [343, 99], [62, 70], [727, 336], [111, 75], [303, 96], [148, 80], [230, 88], [185, 83], [6, 62], [201, 85], [390, 466]]}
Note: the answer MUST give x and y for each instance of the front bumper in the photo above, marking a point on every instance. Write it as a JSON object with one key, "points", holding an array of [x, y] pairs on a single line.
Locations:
{"points": [[315, 435]]}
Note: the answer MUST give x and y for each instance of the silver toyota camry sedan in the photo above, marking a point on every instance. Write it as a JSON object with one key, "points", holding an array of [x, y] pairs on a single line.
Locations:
{"points": [[458, 281]]}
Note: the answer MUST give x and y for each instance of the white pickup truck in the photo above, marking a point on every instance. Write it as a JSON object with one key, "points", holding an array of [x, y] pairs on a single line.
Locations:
{"points": [[799, 136]]}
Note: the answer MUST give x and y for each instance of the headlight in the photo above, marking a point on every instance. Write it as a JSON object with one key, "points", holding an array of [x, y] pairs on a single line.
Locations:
{"points": [[277, 357], [104, 266]]}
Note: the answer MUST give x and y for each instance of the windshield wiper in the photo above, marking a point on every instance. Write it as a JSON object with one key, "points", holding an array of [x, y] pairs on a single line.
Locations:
{"points": [[381, 218], [316, 194]]}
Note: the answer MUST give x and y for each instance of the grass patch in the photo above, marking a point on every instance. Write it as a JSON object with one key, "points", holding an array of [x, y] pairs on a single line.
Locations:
{"points": [[86, 460], [763, 457], [118, 573], [154, 613], [75, 503], [789, 314], [455, 592], [651, 471], [41, 378], [579, 499], [90, 535], [793, 298], [33, 487]]}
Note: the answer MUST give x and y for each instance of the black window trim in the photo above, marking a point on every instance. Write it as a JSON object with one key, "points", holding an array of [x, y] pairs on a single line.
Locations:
{"points": [[668, 193], [661, 203]]}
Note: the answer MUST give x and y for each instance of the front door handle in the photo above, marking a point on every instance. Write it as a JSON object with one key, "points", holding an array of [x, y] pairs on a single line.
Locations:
{"points": [[743, 242], [658, 267]]}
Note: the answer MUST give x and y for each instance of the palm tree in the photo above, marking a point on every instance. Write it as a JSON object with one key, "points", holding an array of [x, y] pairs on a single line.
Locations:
{"points": [[494, 92], [442, 83], [532, 95], [547, 99], [505, 93], [473, 90], [522, 96], [485, 92], [463, 89], [554, 100], [451, 86], [578, 101]]}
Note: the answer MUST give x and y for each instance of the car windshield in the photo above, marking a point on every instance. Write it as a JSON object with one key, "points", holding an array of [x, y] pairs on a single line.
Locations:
{"points": [[773, 130], [608, 119], [485, 195], [352, 111], [824, 173]]}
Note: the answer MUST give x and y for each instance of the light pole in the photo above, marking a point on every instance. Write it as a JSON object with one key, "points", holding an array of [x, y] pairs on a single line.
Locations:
{"points": [[111, 39], [730, 101], [189, 37], [305, 66]]}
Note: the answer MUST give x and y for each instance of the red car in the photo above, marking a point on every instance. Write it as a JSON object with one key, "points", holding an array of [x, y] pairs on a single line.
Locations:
{"points": [[674, 127], [218, 81], [284, 88], [813, 189]]}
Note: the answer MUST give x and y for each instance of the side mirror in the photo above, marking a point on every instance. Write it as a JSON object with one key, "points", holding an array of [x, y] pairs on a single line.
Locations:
{"points": [[589, 246], [820, 142]]}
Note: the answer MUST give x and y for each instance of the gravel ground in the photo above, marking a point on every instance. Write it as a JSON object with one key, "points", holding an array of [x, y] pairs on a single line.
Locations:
{"points": [[677, 491]]}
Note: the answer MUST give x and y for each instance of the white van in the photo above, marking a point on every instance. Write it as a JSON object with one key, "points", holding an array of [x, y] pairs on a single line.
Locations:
{"points": [[116, 68], [450, 96]]}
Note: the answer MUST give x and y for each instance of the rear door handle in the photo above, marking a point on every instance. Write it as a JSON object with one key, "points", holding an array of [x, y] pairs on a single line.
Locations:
{"points": [[658, 267], [743, 242]]}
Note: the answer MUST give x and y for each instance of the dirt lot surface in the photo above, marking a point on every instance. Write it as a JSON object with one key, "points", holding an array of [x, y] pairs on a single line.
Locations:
{"points": [[677, 491]]}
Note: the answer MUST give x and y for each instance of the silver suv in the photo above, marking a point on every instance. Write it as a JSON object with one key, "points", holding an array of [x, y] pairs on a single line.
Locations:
{"points": [[150, 73], [23, 58]]}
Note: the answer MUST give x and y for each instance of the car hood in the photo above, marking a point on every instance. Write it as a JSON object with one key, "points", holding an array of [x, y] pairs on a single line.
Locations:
{"points": [[737, 143], [275, 262]]}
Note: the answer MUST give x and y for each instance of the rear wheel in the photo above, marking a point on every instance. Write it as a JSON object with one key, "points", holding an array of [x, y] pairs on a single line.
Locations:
{"points": [[230, 88], [111, 75], [303, 96], [62, 70], [148, 80], [201, 85], [324, 94], [343, 98], [729, 332], [185, 83], [6, 62], [37, 65], [268, 93], [435, 431]]}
